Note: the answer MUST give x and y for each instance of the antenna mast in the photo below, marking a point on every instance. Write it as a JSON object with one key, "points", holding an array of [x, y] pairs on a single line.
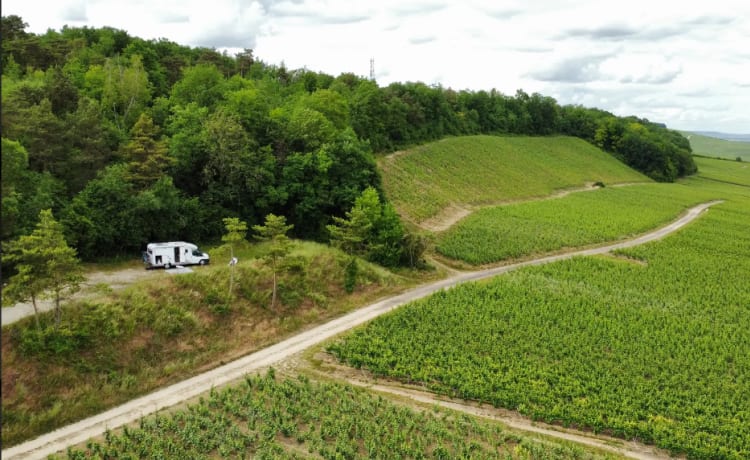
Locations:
{"points": [[372, 69]]}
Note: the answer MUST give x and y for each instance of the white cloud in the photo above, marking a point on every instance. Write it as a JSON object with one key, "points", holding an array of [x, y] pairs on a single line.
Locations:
{"points": [[687, 66]]}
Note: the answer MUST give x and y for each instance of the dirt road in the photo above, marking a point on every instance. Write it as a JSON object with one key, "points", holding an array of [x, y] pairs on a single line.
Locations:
{"points": [[114, 280], [131, 411]]}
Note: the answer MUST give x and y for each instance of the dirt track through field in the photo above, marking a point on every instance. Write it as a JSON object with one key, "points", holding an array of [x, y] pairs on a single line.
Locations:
{"points": [[453, 213], [81, 431], [417, 396]]}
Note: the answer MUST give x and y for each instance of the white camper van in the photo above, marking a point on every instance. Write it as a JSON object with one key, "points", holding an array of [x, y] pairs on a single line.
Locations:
{"points": [[173, 253]]}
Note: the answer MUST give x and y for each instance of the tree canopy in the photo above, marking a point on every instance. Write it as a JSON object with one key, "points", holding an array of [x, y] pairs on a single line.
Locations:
{"points": [[130, 139]]}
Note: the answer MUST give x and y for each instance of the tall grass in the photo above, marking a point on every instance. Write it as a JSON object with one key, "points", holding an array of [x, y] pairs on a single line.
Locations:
{"points": [[126, 343]]}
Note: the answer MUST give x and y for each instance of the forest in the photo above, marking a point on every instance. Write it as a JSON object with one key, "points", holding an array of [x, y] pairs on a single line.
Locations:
{"points": [[129, 140]]}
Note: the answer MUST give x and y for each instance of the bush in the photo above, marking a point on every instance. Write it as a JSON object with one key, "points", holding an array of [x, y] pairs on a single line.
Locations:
{"points": [[51, 341], [172, 319]]}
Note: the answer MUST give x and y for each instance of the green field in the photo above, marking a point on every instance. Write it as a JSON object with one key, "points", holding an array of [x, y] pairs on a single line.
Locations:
{"points": [[649, 344], [734, 172], [479, 170], [519, 230], [270, 418], [719, 148]]}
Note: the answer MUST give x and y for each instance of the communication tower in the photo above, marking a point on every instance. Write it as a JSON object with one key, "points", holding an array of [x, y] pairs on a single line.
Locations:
{"points": [[372, 69]]}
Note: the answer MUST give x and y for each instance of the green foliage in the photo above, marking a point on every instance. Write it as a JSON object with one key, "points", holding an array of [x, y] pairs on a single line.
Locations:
{"points": [[14, 162], [659, 153], [274, 417], [372, 230], [51, 342], [274, 231], [202, 84], [236, 230], [145, 153], [45, 265], [350, 234], [125, 90], [111, 216], [238, 174], [246, 138], [350, 275], [647, 344], [187, 146]]}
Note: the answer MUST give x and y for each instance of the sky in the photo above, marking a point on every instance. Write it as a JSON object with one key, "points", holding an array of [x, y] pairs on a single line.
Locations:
{"points": [[686, 64]]}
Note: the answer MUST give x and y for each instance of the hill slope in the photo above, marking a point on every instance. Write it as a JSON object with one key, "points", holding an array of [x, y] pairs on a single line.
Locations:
{"points": [[456, 173], [715, 147]]}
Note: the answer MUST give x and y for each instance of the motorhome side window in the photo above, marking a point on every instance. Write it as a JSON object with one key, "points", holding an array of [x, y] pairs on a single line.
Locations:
{"points": [[197, 253]]}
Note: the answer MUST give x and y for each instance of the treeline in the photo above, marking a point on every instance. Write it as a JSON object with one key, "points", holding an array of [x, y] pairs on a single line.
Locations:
{"points": [[130, 140]]}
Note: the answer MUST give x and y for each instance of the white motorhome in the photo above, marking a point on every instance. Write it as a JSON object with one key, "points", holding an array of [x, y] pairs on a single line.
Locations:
{"points": [[173, 253]]}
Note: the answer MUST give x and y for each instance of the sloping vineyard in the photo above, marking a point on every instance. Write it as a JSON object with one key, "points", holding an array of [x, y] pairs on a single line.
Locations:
{"points": [[651, 344], [268, 418], [477, 170], [512, 231]]}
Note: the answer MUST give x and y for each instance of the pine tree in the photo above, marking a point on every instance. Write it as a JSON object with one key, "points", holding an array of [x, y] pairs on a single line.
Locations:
{"points": [[236, 231], [147, 156], [275, 231], [46, 266]]}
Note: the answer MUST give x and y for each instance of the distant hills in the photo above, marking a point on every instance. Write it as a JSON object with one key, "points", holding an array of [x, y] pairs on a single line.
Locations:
{"points": [[725, 136], [710, 144]]}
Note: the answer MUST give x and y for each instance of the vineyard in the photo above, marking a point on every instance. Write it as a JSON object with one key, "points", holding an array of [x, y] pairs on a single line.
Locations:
{"points": [[477, 170], [649, 344], [719, 148], [267, 417], [735, 172], [517, 230]]}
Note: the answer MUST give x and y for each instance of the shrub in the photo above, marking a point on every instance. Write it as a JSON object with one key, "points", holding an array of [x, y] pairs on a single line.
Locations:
{"points": [[51, 341]]}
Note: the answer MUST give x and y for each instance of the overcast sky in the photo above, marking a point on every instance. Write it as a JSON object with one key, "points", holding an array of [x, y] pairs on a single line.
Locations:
{"points": [[686, 64]]}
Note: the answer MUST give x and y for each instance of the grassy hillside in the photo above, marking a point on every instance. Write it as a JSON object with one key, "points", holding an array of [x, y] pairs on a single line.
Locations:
{"points": [[475, 170], [719, 148], [735, 172], [164, 329]]}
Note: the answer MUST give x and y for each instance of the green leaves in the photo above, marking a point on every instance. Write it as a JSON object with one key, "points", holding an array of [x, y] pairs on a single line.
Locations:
{"points": [[236, 230], [288, 417], [372, 230], [649, 344], [46, 265], [274, 231]]}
